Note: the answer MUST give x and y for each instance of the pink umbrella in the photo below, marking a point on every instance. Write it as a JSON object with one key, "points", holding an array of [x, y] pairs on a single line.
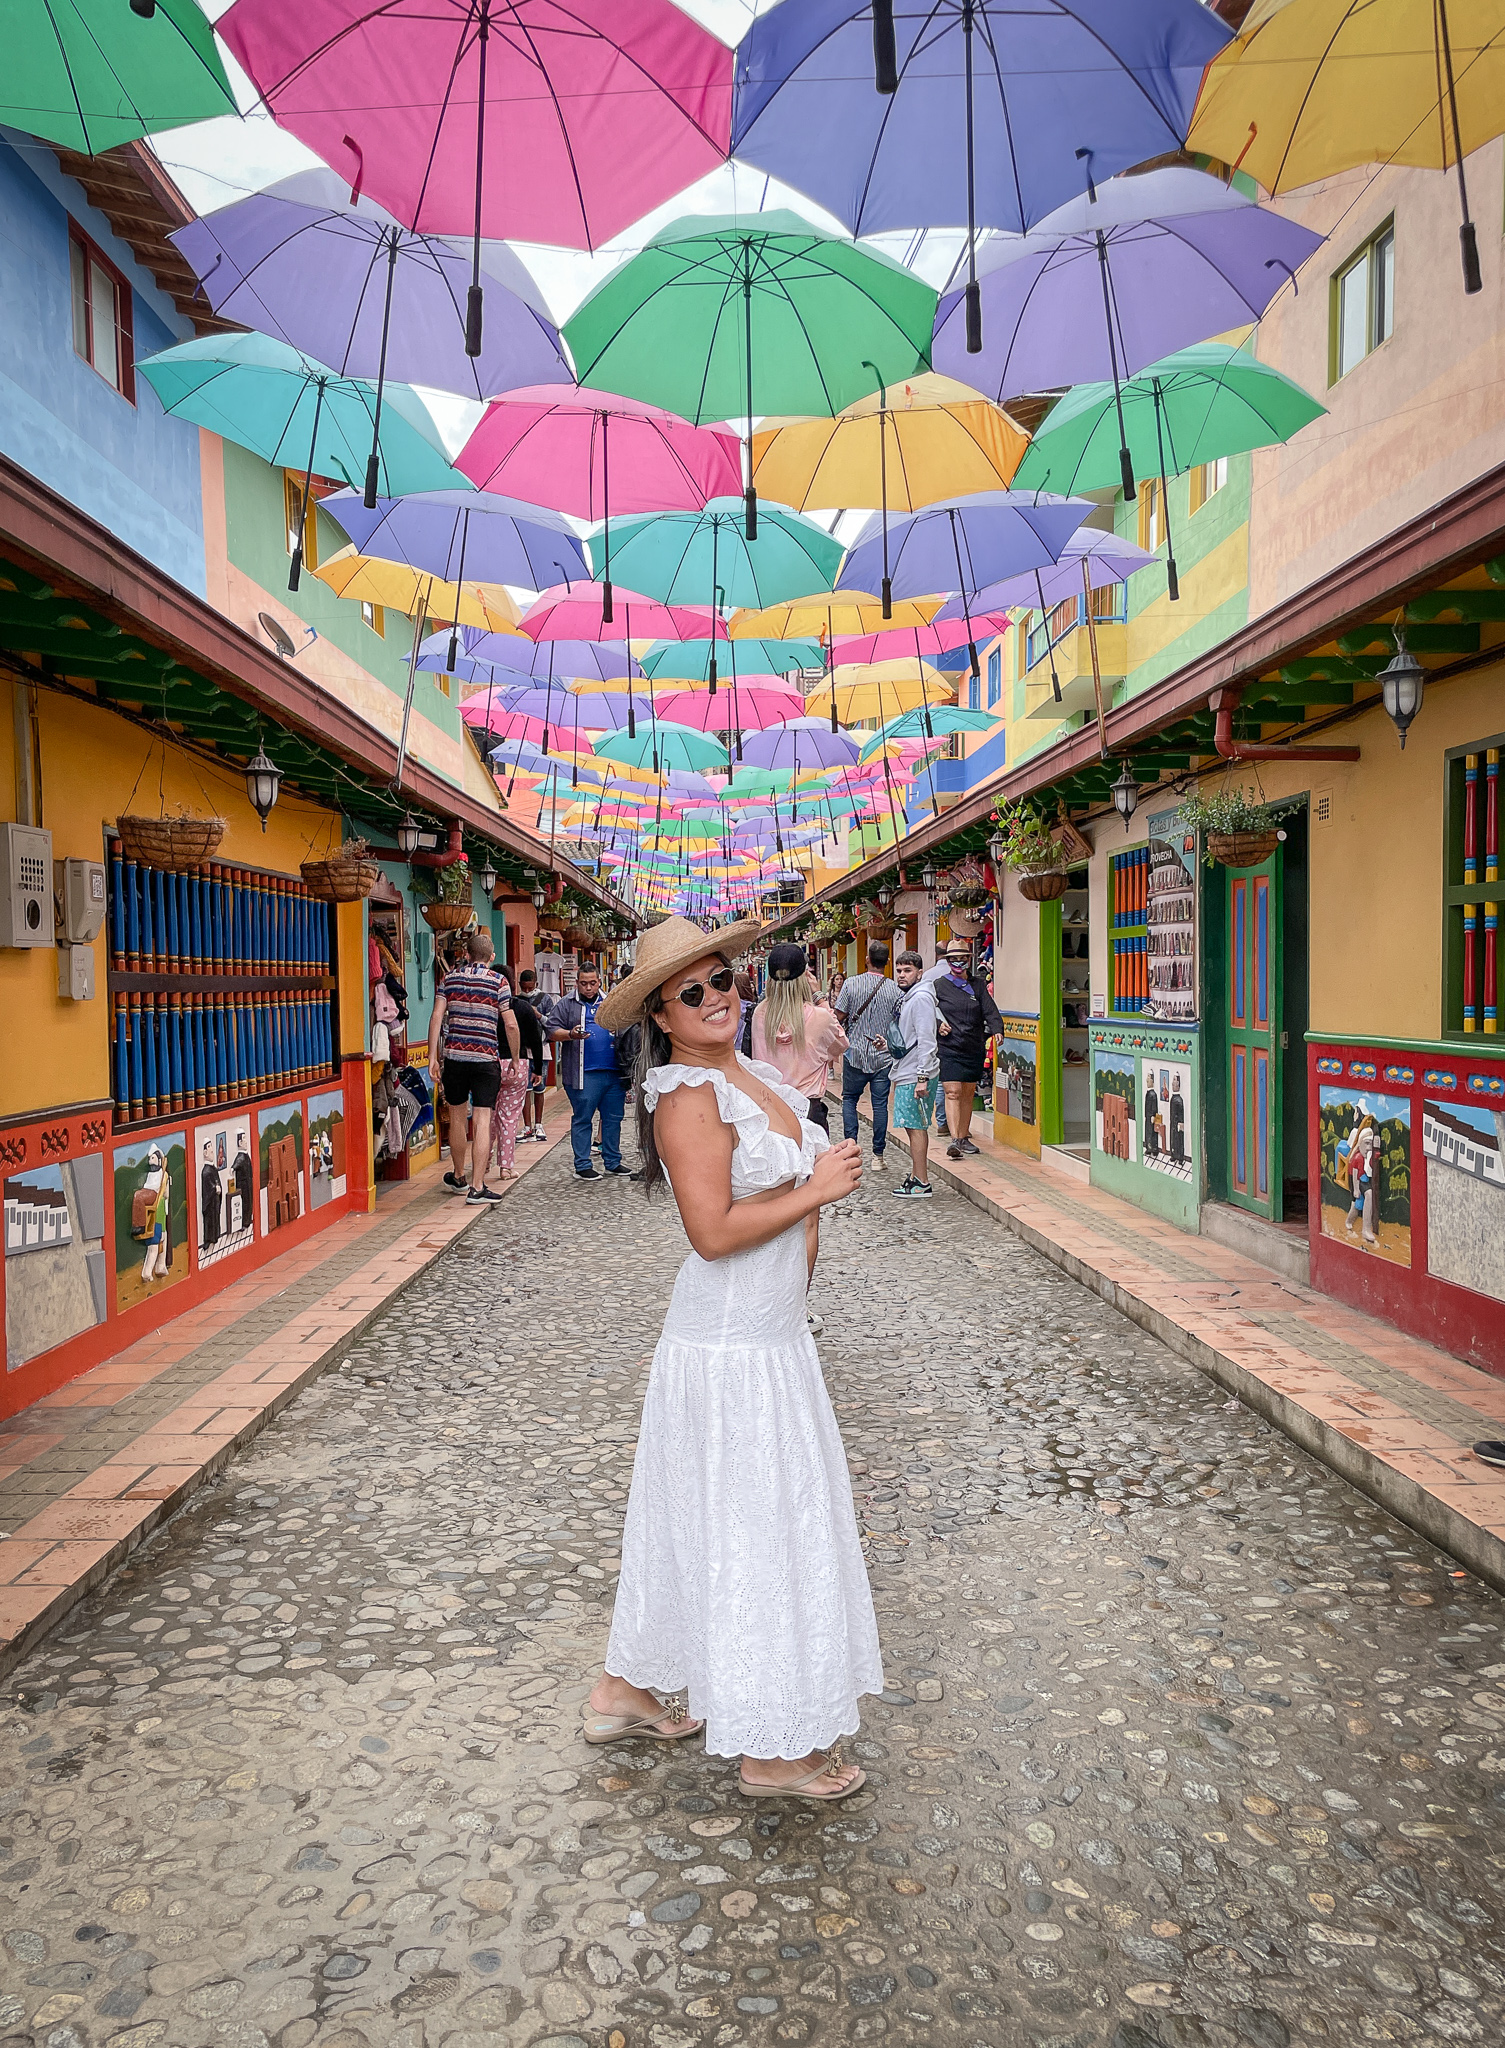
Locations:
{"points": [[576, 611], [925, 642], [537, 120], [756, 705]]}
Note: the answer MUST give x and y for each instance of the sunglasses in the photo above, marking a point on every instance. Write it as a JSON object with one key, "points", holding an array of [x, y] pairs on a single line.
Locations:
{"points": [[692, 995]]}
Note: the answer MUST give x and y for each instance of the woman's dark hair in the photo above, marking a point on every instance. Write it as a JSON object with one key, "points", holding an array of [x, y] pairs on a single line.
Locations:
{"points": [[654, 1049]]}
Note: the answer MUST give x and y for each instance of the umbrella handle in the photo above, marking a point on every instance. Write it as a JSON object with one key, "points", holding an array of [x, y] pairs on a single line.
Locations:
{"points": [[473, 295], [1473, 280], [974, 289], [885, 50]]}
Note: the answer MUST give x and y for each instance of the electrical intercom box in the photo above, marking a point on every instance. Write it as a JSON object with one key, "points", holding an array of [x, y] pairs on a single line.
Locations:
{"points": [[25, 886], [81, 901]]}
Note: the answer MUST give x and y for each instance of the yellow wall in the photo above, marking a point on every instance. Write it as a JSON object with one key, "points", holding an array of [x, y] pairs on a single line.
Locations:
{"points": [[92, 760]]}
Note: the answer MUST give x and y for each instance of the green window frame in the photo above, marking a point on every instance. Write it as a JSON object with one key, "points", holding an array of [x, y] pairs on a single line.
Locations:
{"points": [[1361, 302]]}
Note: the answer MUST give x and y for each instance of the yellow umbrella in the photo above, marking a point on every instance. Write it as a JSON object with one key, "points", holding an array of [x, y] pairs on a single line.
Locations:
{"points": [[898, 457], [832, 614], [879, 689], [398, 588], [1312, 87]]}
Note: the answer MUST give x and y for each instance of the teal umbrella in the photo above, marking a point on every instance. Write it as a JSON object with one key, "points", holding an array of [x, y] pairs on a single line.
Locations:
{"points": [[664, 747], [928, 721], [706, 558], [1193, 406], [278, 402], [690, 660], [721, 319], [91, 74]]}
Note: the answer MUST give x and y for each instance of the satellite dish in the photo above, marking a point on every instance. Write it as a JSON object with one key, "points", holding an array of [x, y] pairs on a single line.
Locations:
{"points": [[277, 634]]}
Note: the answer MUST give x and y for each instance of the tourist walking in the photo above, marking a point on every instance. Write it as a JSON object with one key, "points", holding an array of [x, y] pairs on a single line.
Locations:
{"points": [[868, 1007], [968, 1019], [531, 996], [471, 1021], [588, 1074], [514, 1091], [916, 1072], [742, 1577], [795, 1032]]}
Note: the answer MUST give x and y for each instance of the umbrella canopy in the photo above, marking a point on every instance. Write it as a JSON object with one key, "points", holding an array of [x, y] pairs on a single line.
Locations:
{"points": [[602, 711], [985, 113], [878, 690], [367, 579], [929, 723], [728, 318], [899, 456], [576, 611], [756, 706], [689, 661], [832, 613], [352, 286], [592, 453], [1109, 559], [277, 402], [664, 747], [705, 557], [802, 747], [1105, 285], [942, 636], [607, 661], [1198, 404], [1305, 92], [965, 544], [90, 77], [455, 533]]}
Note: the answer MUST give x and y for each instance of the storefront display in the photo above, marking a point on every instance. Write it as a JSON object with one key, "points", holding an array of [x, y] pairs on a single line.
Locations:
{"points": [[1145, 1110]]}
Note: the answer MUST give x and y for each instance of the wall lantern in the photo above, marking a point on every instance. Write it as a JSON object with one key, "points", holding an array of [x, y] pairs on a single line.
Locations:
{"points": [[996, 849], [408, 836], [539, 899], [885, 896], [1402, 681], [1125, 795], [488, 878], [928, 875], [263, 780]]}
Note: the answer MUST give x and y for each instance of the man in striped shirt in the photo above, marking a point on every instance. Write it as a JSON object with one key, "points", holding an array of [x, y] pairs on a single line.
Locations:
{"points": [[472, 1013]]}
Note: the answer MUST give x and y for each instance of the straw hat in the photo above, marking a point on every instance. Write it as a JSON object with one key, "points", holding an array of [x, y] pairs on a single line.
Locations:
{"points": [[664, 950]]}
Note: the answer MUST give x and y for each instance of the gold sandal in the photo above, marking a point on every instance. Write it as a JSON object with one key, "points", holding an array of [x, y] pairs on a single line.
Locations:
{"points": [[795, 1789], [602, 1728]]}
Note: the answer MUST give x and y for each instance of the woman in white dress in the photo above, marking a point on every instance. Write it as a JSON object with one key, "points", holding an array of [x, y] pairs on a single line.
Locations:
{"points": [[742, 1576]]}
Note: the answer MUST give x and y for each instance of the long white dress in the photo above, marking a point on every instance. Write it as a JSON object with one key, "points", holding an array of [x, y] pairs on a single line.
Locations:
{"points": [[742, 1574]]}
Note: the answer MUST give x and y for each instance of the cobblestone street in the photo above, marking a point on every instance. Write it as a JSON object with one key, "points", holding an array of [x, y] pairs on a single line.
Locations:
{"points": [[1185, 1743]]}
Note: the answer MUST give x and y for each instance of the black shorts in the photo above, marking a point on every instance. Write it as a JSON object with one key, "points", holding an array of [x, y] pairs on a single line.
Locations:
{"points": [[477, 1082]]}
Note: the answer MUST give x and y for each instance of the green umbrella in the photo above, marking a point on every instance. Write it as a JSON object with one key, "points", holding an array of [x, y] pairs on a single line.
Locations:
{"points": [[662, 748], [690, 660], [706, 558], [1193, 406], [747, 782], [928, 721], [722, 319], [277, 402], [90, 74]]}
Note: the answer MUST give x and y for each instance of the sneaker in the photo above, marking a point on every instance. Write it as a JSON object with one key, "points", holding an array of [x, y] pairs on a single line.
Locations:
{"points": [[454, 1185], [940, 1124], [953, 1151], [620, 1169], [588, 1173], [481, 1195], [813, 1322], [1491, 1451], [915, 1190], [969, 1148], [636, 1176], [880, 1164]]}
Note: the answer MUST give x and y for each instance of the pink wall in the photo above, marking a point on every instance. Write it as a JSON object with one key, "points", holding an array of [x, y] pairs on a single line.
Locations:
{"points": [[1420, 416]]}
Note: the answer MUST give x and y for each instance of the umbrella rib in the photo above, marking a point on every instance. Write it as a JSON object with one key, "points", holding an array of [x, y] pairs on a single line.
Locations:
{"points": [[1008, 119], [62, 50], [891, 100], [461, 47]]}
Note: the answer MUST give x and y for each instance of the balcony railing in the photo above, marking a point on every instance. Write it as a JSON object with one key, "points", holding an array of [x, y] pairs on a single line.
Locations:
{"points": [[1109, 607]]}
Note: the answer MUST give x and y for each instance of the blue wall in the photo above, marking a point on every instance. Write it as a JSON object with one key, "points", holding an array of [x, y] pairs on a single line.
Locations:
{"points": [[128, 466]]}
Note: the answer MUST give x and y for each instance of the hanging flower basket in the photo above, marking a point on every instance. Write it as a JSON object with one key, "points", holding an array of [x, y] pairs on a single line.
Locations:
{"points": [[581, 938], [346, 876], [1044, 888], [179, 844], [553, 921], [446, 917], [1242, 849]]}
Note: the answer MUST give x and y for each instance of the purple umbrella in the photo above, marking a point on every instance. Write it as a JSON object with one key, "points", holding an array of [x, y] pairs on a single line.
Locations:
{"points": [[1036, 92], [963, 544], [511, 655], [801, 746], [1116, 279], [351, 286]]}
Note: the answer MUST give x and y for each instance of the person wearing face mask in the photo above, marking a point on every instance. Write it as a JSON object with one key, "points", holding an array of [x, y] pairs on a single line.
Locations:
{"points": [[968, 1019], [742, 1577]]}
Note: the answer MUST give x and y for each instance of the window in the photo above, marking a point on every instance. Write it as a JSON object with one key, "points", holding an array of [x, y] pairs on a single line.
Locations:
{"points": [[1472, 888], [292, 501], [1362, 312], [995, 676], [1207, 479], [102, 332], [974, 691], [1151, 524], [375, 616]]}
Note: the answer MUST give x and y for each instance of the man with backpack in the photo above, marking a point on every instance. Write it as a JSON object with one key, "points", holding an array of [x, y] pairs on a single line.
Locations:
{"points": [[868, 1007]]}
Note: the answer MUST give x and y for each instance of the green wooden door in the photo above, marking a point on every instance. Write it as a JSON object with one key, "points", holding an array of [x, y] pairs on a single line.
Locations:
{"points": [[1252, 997]]}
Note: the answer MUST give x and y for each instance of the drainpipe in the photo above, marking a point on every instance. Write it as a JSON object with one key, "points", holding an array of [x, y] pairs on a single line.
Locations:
{"points": [[1225, 702], [442, 856]]}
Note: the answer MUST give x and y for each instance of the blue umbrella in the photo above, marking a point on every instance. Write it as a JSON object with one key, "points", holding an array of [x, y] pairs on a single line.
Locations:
{"points": [[699, 558], [508, 657], [1047, 95], [690, 660]]}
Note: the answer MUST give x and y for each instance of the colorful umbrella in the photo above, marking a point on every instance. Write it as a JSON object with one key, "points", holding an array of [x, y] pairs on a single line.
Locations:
{"points": [[577, 611], [945, 633], [801, 747], [690, 661], [1307, 91], [877, 690], [273, 399], [1116, 280], [556, 121], [728, 318], [664, 747], [557, 448], [680, 557], [607, 661], [977, 100], [756, 706], [828, 614], [1109, 559], [90, 76], [367, 579], [929, 722]]}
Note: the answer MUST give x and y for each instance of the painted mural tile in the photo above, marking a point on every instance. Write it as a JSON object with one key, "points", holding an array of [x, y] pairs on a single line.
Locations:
{"points": [[1464, 1143], [326, 1147], [1487, 1084], [1436, 1077], [224, 1188], [151, 1217], [1364, 1144], [55, 1284], [1166, 1096], [284, 1197], [1115, 1096]]}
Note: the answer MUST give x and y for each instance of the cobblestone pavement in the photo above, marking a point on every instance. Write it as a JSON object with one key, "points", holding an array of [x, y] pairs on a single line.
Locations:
{"points": [[1185, 1744]]}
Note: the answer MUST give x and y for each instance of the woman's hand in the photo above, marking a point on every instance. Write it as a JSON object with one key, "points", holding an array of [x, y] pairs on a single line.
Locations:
{"points": [[838, 1173]]}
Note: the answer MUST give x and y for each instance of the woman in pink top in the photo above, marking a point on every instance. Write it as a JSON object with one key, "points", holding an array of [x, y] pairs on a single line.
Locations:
{"points": [[794, 1033]]}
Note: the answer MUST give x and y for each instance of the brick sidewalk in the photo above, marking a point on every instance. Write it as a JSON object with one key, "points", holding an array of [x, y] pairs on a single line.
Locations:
{"points": [[1393, 1416], [90, 1470]]}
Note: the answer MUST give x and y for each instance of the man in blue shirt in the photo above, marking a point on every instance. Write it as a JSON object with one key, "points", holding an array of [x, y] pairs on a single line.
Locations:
{"points": [[588, 1075]]}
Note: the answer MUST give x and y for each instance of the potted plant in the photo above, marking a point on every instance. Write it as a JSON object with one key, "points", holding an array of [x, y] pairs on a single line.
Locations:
{"points": [[1239, 829], [832, 925], [179, 843], [347, 875], [876, 920], [1029, 850], [450, 908]]}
